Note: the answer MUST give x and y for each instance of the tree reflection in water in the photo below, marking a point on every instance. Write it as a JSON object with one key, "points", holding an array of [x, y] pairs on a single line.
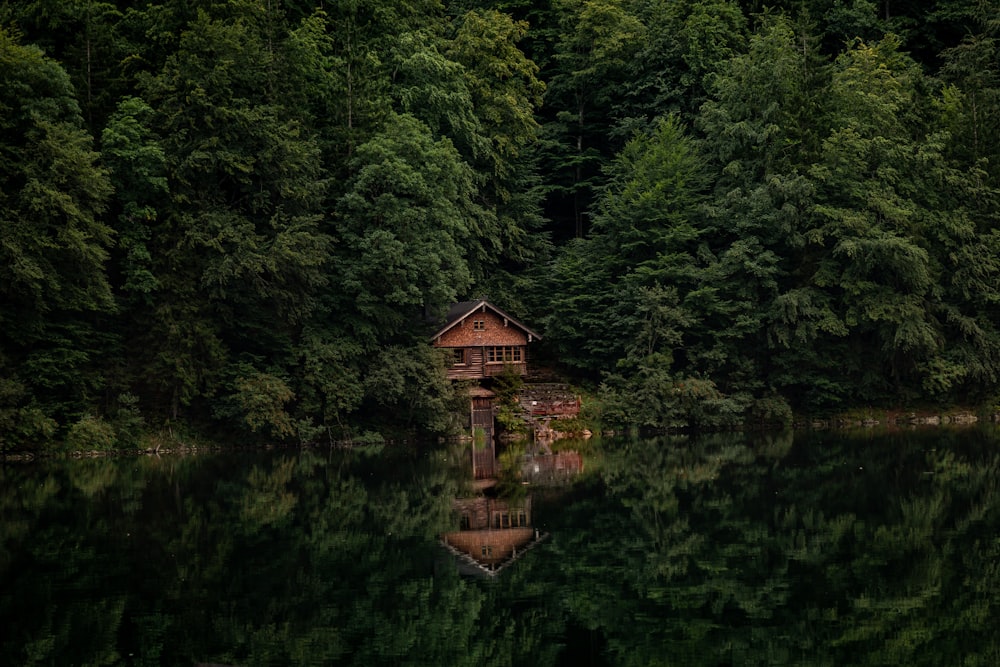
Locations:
{"points": [[823, 549]]}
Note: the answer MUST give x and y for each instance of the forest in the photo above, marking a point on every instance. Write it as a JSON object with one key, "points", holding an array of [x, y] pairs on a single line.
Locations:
{"points": [[243, 218]]}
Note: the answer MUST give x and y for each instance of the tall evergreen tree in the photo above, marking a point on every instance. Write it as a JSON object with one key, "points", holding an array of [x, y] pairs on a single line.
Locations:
{"points": [[684, 44], [505, 93], [761, 129], [241, 249], [598, 38], [403, 224], [878, 275], [636, 296], [53, 246]]}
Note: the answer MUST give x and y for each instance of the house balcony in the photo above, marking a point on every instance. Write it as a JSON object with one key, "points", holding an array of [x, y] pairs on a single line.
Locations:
{"points": [[484, 370]]}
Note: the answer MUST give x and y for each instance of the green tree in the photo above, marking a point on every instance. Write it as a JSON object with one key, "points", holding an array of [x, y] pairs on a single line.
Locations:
{"points": [[649, 217], [403, 224], [505, 94], [597, 39], [367, 43], [329, 386], [81, 36], [880, 277], [685, 44], [137, 163], [957, 191], [640, 312], [242, 252], [761, 128], [53, 242], [973, 68]]}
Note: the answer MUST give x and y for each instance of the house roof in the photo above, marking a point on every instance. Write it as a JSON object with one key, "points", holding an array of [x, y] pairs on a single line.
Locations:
{"points": [[469, 564], [463, 309]]}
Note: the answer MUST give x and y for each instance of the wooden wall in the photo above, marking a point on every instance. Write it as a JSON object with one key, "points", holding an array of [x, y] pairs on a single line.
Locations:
{"points": [[495, 332]]}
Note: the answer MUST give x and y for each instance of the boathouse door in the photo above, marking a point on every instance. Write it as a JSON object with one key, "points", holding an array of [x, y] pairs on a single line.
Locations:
{"points": [[482, 415]]}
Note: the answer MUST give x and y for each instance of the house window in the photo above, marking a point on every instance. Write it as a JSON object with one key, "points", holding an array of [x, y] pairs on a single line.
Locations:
{"points": [[479, 325], [500, 354], [465, 523], [522, 519], [459, 356]]}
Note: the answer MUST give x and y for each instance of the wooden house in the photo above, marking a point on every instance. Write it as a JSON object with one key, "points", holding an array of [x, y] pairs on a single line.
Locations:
{"points": [[484, 341]]}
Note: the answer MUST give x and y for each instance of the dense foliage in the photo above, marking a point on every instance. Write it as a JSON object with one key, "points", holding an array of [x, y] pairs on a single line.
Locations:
{"points": [[240, 216]]}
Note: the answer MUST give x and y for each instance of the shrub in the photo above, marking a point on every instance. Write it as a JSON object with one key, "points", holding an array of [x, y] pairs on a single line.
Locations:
{"points": [[91, 434]]}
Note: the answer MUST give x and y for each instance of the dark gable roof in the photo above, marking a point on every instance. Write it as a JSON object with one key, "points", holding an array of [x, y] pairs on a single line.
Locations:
{"points": [[463, 309]]}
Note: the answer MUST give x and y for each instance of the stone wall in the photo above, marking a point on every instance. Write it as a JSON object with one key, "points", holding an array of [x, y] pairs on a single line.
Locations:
{"points": [[550, 399]]}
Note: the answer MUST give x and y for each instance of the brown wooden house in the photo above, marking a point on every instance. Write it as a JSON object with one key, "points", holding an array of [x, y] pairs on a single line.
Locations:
{"points": [[484, 340]]}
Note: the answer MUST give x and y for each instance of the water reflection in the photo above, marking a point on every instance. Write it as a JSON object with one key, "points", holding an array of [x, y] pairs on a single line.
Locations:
{"points": [[543, 466], [493, 533], [494, 525], [826, 549]]}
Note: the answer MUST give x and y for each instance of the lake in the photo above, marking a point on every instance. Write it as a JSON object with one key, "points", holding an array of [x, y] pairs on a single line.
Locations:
{"points": [[826, 548]]}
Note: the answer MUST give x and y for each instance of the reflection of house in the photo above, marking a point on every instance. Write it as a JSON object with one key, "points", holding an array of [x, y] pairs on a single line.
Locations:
{"points": [[484, 340], [559, 467], [484, 460], [492, 532], [492, 513]]}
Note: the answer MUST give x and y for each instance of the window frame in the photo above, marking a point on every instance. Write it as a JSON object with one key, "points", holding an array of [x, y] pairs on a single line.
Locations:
{"points": [[504, 354]]}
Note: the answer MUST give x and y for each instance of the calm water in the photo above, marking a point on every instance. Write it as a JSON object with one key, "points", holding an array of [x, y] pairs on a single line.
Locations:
{"points": [[827, 550]]}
